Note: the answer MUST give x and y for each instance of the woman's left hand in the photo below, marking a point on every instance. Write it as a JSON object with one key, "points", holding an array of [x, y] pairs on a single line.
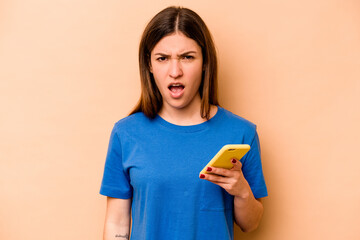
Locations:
{"points": [[232, 180]]}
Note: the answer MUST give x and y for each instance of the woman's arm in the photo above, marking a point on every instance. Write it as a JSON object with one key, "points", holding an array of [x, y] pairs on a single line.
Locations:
{"points": [[247, 210], [117, 220]]}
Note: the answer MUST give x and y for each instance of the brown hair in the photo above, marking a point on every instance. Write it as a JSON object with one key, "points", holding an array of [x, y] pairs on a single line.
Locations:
{"points": [[166, 22]]}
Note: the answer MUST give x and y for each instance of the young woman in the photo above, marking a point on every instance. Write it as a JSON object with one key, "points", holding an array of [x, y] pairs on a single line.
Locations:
{"points": [[156, 153]]}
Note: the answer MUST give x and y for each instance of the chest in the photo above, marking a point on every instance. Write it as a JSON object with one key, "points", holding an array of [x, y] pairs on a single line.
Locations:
{"points": [[171, 162]]}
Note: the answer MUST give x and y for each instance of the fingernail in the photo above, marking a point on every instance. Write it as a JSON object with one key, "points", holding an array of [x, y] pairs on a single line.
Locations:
{"points": [[202, 176], [209, 169], [233, 161]]}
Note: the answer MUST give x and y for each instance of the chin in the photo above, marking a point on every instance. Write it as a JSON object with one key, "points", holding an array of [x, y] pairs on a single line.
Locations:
{"points": [[178, 106]]}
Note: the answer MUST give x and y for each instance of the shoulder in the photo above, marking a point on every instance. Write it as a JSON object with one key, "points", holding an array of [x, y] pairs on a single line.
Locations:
{"points": [[236, 121], [133, 121], [241, 127]]}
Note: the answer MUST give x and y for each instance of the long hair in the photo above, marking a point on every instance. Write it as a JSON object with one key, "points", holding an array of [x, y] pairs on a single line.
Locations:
{"points": [[164, 23]]}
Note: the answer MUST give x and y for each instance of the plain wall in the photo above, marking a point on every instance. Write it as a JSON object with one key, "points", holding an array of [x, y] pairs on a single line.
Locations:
{"points": [[68, 72]]}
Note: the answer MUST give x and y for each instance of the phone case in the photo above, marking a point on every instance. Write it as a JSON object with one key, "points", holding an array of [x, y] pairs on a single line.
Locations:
{"points": [[223, 158]]}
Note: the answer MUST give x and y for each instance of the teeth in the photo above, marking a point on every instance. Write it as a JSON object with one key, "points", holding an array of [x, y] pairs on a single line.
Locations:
{"points": [[176, 85]]}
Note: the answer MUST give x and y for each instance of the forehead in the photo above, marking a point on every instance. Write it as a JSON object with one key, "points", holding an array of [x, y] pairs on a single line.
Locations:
{"points": [[176, 43]]}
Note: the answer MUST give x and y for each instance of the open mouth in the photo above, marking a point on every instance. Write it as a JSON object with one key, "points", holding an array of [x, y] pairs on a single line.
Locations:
{"points": [[176, 87]]}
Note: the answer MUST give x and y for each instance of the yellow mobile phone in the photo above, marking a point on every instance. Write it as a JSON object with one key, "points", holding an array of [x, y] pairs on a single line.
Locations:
{"points": [[226, 153]]}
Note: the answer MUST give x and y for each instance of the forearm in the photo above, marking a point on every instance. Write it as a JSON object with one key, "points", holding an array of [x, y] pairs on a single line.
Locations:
{"points": [[117, 219], [248, 212], [114, 231]]}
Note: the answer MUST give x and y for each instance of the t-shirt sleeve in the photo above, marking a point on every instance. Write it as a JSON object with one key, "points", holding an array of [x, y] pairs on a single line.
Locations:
{"points": [[252, 169], [115, 182]]}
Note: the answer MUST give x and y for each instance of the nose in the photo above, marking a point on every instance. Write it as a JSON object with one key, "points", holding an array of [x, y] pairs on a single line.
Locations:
{"points": [[175, 70]]}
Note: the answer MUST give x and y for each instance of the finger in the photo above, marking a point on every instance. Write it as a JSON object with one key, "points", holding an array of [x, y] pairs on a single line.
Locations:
{"points": [[213, 178], [221, 184], [236, 164], [220, 171]]}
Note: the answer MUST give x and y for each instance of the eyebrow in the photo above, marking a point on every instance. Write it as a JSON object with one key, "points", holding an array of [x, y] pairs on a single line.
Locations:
{"points": [[182, 54]]}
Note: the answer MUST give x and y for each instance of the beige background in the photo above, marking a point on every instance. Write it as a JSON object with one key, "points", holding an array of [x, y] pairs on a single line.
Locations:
{"points": [[68, 72]]}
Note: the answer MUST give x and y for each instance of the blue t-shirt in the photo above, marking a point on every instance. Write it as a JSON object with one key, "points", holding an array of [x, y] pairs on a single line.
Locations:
{"points": [[157, 164]]}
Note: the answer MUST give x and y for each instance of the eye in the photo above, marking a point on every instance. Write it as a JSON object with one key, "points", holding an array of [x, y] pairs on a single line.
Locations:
{"points": [[161, 59], [188, 57]]}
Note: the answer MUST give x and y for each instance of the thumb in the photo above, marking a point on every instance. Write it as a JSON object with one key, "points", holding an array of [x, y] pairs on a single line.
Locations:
{"points": [[236, 164]]}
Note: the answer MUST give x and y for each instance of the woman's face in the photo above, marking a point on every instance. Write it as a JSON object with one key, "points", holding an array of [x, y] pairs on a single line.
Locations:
{"points": [[176, 64]]}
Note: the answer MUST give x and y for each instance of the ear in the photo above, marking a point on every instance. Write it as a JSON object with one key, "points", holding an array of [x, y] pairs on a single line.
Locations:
{"points": [[150, 67], [148, 59]]}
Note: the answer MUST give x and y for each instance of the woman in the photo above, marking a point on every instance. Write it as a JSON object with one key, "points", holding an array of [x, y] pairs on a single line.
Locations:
{"points": [[156, 153]]}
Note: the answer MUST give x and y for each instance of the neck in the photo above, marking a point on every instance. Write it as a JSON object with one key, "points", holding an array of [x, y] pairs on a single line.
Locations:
{"points": [[189, 115]]}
